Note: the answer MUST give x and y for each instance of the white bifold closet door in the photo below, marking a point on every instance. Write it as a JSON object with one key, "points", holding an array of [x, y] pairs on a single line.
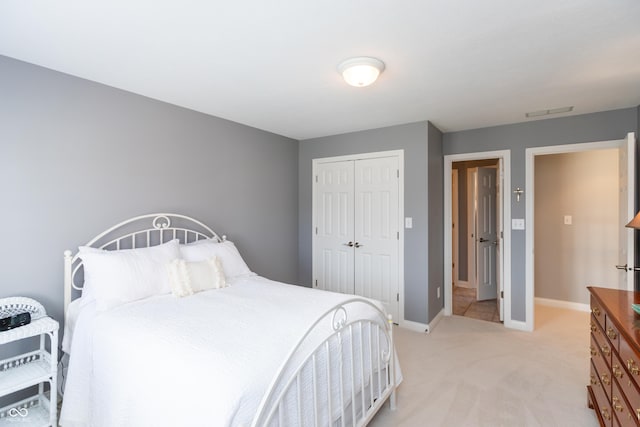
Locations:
{"points": [[356, 233]]}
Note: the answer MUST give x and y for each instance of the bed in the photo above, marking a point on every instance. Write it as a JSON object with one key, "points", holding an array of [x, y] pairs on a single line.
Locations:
{"points": [[241, 351]]}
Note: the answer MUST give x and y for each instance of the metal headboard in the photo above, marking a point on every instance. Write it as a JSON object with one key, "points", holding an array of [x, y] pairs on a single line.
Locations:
{"points": [[139, 232]]}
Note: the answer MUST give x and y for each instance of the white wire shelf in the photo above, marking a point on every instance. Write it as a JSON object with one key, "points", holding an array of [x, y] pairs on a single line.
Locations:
{"points": [[32, 412], [25, 370]]}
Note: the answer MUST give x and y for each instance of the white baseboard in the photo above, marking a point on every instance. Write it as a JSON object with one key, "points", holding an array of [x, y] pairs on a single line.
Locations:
{"points": [[563, 304], [414, 326], [517, 325], [464, 284], [435, 321]]}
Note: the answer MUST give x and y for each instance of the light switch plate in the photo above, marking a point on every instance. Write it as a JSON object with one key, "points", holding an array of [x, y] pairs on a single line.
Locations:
{"points": [[408, 222], [517, 224], [568, 219]]}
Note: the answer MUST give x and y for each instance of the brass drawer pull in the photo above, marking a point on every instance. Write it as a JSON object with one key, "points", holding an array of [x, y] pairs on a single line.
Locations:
{"points": [[594, 381], [617, 372], [611, 333], [605, 414], [638, 414], [616, 404], [606, 350], [605, 379], [632, 367], [593, 351], [594, 328], [596, 311]]}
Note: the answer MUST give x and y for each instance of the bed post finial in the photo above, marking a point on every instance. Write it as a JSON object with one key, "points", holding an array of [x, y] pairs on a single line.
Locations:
{"points": [[224, 238]]}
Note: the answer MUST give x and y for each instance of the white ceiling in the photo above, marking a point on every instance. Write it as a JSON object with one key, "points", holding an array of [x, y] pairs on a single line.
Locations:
{"points": [[272, 64]]}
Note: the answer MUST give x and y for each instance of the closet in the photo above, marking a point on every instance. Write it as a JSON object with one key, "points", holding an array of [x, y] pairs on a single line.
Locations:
{"points": [[356, 231]]}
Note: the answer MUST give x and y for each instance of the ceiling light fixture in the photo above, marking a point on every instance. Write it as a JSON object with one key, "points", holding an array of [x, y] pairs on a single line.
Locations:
{"points": [[549, 111], [361, 71]]}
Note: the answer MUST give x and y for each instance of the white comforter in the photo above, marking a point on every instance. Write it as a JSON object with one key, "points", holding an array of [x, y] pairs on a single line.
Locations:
{"points": [[203, 360]]}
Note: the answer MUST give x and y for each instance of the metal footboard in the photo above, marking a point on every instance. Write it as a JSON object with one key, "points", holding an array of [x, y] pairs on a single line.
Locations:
{"points": [[339, 374]]}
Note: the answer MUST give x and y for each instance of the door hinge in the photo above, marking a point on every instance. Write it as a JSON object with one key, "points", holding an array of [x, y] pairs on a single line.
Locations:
{"points": [[502, 234], [398, 297], [316, 230], [501, 294], [316, 178], [398, 173], [316, 283], [398, 235]]}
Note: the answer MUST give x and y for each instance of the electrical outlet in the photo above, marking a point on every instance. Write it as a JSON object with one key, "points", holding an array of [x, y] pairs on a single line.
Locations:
{"points": [[438, 291]]}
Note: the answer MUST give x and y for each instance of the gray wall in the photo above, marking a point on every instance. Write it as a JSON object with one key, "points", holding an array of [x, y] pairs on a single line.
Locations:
{"points": [[517, 137], [77, 157], [413, 139], [435, 237]]}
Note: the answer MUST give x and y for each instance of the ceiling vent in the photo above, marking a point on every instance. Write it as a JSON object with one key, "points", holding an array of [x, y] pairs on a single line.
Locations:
{"points": [[549, 111]]}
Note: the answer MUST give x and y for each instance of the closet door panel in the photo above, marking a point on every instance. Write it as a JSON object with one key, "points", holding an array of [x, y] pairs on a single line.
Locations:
{"points": [[334, 207], [376, 230]]}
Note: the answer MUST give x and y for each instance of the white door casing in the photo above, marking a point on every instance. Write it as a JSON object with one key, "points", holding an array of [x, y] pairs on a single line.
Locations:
{"points": [[505, 239], [373, 267], [499, 229], [626, 211], [486, 234]]}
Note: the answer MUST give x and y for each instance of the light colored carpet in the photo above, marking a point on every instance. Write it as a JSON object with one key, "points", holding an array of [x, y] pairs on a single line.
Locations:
{"points": [[475, 373]]}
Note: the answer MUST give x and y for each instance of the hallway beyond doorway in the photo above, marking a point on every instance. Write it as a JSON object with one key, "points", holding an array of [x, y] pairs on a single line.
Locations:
{"points": [[465, 304]]}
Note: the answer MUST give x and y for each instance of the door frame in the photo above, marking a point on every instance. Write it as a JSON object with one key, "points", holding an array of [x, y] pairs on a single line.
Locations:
{"points": [[455, 256], [530, 154], [505, 155], [391, 153]]}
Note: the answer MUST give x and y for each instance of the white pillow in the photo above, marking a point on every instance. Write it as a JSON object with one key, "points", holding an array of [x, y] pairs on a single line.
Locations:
{"points": [[117, 277], [232, 263], [187, 278]]}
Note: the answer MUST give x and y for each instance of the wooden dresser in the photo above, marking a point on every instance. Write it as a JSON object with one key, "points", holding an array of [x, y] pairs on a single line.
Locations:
{"points": [[614, 386]]}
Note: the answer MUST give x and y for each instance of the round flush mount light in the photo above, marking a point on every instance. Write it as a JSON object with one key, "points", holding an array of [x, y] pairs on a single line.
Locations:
{"points": [[361, 71]]}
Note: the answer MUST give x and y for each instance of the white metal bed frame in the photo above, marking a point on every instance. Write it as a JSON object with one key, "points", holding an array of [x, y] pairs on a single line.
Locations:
{"points": [[377, 382]]}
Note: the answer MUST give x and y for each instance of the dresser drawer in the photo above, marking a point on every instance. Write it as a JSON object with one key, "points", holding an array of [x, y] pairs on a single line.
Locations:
{"points": [[601, 404], [625, 415], [601, 367], [630, 360], [611, 331], [600, 341], [631, 392], [598, 312]]}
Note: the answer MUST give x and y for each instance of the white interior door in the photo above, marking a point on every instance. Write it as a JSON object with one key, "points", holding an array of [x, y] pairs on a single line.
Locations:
{"points": [[500, 239], [487, 236], [334, 230], [626, 248], [376, 230]]}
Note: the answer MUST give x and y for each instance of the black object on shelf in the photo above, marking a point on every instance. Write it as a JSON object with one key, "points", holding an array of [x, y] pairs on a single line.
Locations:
{"points": [[15, 321]]}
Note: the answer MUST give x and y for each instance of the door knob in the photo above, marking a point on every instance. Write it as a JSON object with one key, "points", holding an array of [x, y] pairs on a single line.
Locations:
{"points": [[482, 240], [358, 245], [350, 244], [622, 267]]}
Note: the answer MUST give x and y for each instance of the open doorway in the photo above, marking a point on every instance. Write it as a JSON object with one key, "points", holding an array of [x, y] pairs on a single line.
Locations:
{"points": [[477, 243], [475, 239], [593, 186]]}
